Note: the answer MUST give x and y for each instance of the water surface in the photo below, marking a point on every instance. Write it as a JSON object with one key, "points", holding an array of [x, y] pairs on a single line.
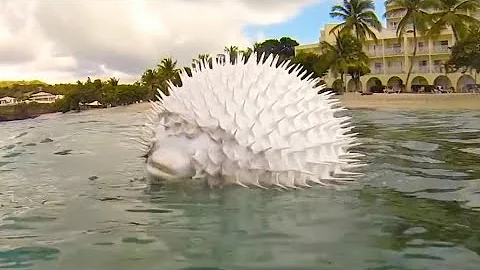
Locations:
{"points": [[72, 196]]}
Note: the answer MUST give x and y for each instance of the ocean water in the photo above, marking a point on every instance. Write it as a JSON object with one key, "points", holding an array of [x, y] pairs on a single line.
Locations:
{"points": [[72, 196]]}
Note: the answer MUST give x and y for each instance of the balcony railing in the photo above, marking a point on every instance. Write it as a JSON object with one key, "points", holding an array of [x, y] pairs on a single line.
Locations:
{"points": [[377, 70], [395, 70], [420, 50], [375, 52], [393, 51], [394, 15], [438, 69], [421, 69], [441, 48]]}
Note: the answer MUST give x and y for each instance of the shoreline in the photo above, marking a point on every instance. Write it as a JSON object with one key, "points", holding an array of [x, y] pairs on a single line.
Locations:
{"points": [[377, 101], [381, 101], [411, 101]]}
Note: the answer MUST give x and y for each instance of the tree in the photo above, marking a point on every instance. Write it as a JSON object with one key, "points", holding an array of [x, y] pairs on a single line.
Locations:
{"points": [[346, 56], [465, 54], [416, 20], [113, 81], [149, 79], [453, 13], [106, 92], [232, 52], [283, 47], [168, 71], [312, 63], [356, 69], [201, 61], [287, 47], [358, 17], [246, 54]]}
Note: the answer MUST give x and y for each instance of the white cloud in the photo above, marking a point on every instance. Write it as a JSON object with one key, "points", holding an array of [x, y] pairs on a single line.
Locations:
{"points": [[65, 40]]}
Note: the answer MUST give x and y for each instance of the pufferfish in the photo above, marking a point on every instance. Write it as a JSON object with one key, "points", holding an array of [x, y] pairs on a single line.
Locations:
{"points": [[256, 123]]}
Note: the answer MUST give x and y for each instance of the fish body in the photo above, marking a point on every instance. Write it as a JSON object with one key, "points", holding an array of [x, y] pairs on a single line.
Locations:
{"points": [[250, 123]]}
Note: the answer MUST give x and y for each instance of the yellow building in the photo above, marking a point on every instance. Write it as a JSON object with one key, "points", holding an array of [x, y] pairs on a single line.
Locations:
{"points": [[389, 60]]}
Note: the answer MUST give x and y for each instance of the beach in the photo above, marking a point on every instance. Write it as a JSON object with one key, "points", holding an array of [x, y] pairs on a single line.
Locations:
{"points": [[378, 101], [411, 101], [381, 101]]}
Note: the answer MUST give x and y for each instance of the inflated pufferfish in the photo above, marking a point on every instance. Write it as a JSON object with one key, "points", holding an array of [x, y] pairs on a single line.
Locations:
{"points": [[251, 124]]}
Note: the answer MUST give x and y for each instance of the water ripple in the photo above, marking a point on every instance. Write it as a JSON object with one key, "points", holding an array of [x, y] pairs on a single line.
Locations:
{"points": [[418, 207], [23, 257]]}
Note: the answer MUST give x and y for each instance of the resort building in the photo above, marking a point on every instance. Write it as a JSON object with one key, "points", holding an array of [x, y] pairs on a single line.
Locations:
{"points": [[5, 101], [390, 60], [44, 97]]}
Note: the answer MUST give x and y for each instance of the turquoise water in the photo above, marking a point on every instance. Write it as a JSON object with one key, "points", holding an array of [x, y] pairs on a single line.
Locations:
{"points": [[72, 197]]}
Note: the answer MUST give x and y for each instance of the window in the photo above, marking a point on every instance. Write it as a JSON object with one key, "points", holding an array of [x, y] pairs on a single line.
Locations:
{"points": [[423, 63], [394, 64], [394, 25], [397, 47], [443, 43]]}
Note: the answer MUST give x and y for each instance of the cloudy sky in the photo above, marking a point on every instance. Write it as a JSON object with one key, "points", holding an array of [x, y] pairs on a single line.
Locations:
{"points": [[68, 40]]}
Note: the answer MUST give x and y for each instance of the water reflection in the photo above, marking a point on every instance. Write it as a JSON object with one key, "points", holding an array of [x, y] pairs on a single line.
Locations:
{"points": [[24, 257]]}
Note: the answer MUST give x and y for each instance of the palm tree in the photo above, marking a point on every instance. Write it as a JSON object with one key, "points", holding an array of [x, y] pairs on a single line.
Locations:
{"points": [[415, 16], [149, 79], [232, 52], [168, 71], [201, 61], [358, 16], [246, 53], [256, 46], [113, 81], [453, 13]]}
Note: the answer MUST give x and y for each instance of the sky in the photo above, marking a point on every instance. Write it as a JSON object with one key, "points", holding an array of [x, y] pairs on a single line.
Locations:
{"points": [[62, 41]]}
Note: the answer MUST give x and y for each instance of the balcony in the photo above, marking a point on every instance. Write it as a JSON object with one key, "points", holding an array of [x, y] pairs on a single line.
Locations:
{"points": [[395, 70], [375, 53], [420, 50], [396, 15], [421, 69], [438, 69], [377, 70], [441, 49], [392, 28], [393, 51]]}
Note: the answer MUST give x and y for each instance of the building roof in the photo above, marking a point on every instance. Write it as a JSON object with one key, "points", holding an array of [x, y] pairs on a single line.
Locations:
{"points": [[42, 94]]}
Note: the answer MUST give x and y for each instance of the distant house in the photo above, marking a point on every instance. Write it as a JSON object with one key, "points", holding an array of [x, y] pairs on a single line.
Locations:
{"points": [[4, 101], [44, 97]]}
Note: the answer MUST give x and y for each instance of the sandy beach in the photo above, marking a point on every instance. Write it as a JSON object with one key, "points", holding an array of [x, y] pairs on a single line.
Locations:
{"points": [[410, 101], [403, 101]]}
